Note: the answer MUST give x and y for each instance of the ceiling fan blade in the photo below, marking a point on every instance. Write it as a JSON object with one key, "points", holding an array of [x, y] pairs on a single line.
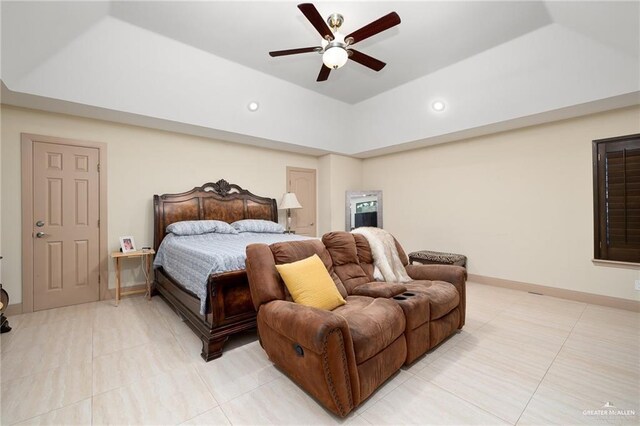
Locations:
{"points": [[294, 51], [387, 21], [312, 14], [324, 73], [366, 60]]}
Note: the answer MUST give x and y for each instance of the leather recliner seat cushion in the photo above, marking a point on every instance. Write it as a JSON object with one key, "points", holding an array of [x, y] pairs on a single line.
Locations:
{"points": [[374, 324], [443, 297]]}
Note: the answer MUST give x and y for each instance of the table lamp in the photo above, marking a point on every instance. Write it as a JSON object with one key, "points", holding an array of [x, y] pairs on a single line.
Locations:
{"points": [[289, 201]]}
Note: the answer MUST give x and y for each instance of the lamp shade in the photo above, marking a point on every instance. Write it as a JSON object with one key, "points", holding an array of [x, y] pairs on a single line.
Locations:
{"points": [[290, 201], [335, 57]]}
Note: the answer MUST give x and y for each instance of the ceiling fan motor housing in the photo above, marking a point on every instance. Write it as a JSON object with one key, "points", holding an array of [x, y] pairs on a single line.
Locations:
{"points": [[335, 20]]}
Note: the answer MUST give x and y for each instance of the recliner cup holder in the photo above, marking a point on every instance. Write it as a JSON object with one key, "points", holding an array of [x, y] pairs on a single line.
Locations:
{"points": [[399, 298], [408, 294]]}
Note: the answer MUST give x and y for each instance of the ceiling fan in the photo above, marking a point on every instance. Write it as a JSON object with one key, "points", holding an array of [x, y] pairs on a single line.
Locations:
{"points": [[336, 47]]}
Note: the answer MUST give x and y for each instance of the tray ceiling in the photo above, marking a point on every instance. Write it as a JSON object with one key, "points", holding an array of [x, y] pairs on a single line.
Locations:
{"points": [[197, 65]]}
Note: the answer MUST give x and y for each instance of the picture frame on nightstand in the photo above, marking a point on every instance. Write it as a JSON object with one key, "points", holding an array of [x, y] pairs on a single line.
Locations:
{"points": [[127, 244]]}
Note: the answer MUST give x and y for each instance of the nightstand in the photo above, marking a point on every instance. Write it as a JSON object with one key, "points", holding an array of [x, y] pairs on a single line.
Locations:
{"points": [[146, 256]]}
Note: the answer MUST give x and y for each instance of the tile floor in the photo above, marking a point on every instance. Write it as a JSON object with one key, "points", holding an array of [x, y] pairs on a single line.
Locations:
{"points": [[521, 359]]}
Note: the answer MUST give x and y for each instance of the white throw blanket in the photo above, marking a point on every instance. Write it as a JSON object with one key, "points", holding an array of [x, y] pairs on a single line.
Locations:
{"points": [[386, 261]]}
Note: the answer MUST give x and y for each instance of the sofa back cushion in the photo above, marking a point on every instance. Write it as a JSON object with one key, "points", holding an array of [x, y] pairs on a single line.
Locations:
{"points": [[293, 251], [366, 258], [364, 255], [310, 284], [346, 264], [265, 281], [401, 253]]}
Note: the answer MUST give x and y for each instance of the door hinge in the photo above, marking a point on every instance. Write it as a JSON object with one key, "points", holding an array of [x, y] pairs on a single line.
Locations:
{"points": [[98, 278], [600, 244], [98, 223], [598, 157], [98, 167]]}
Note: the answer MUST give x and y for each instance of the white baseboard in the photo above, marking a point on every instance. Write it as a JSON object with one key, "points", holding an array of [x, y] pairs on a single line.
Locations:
{"points": [[111, 292], [14, 309], [562, 293]]}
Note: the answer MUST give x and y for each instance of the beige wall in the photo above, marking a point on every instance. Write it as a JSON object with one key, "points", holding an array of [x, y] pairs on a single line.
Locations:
{"points": [[141, 162], [1, 197], [518, 203], [338, 174], [324, 202]]}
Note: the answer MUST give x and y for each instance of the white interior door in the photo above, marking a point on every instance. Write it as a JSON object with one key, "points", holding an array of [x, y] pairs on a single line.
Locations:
{"points": [[302, 182], [66, 225]]}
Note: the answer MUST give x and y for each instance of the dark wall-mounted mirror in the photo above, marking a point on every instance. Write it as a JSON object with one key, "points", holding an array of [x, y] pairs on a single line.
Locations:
{"points": [[363, 208]]}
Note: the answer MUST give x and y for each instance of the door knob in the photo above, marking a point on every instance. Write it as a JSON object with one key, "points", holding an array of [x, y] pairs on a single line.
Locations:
{"points": [[40, 234], [39, 224]]}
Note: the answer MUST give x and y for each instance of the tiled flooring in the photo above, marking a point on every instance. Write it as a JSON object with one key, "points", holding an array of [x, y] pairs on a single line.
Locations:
{"points": [[521, 358]]}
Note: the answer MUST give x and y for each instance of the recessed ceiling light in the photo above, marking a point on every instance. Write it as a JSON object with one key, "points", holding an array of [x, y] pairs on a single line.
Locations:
{"points": [[253, 106], [438, 106]]}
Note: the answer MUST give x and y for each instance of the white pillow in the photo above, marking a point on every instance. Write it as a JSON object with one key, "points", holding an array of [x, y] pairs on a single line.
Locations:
{"points": [[198, 227], [257, 225]]}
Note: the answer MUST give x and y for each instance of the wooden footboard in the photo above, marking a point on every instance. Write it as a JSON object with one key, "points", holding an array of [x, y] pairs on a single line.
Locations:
{"points": [[230, 309]]}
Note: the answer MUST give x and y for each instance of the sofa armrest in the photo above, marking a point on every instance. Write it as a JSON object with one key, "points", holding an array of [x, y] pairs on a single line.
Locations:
{"points": [[449, 273], [456, 275], [305, 325], [379, 289]]}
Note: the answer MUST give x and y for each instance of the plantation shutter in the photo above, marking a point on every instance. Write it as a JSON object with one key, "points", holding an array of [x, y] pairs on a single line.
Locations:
{"points": [[618, 199]]}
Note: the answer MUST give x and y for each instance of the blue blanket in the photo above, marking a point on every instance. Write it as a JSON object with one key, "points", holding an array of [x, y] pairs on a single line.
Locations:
{"points": [[191, 259]]}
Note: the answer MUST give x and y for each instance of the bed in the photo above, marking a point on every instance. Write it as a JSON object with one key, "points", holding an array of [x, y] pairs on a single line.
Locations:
{"points": [[227, 308]]}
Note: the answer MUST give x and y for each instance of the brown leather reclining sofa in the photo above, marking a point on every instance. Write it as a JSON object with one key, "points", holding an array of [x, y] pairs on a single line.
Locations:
{"points": [[342, 356]]}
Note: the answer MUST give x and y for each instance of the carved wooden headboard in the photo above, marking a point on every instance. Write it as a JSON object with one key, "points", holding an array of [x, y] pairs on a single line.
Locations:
{"points": [[220, 201]]}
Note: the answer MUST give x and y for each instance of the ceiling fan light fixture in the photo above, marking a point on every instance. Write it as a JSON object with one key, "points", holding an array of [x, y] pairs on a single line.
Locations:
{"points": [[335, 47], [335, 57]]}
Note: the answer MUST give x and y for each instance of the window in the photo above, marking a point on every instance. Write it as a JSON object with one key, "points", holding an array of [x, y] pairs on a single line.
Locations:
{"points": [[616, 198]]}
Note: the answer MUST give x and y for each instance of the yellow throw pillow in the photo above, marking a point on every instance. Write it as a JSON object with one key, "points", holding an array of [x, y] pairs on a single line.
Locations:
{"points": [[310, 284]]}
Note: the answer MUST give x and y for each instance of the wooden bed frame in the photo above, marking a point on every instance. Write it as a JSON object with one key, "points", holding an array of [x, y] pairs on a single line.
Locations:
{"points": [[229, 305]]}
